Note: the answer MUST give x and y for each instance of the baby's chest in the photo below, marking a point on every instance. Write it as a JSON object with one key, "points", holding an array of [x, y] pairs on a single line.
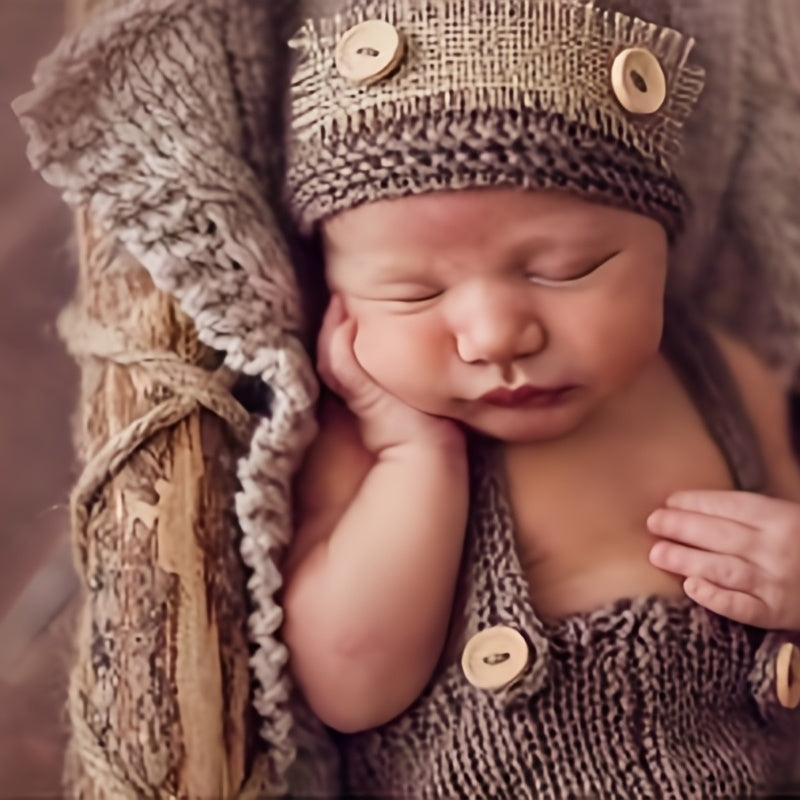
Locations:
{"points": [[579, 515]]}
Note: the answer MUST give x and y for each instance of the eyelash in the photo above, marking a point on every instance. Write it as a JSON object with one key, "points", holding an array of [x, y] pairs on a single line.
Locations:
{"points": [[531, 277], [564, 281], [410, 300]]}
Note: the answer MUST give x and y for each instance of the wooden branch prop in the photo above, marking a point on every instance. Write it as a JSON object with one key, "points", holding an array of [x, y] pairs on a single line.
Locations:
{"points": [[159, 696]]}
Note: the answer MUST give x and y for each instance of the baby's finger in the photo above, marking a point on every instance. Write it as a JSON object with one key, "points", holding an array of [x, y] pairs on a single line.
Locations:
{"points": [[738, 606], [334, 315], [716, 534], [726, 571], [748, 508], [329, 343], [342, 371]]}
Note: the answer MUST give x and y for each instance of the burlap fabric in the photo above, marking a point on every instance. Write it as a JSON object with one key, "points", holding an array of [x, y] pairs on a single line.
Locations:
{"points": [[489, 93]]}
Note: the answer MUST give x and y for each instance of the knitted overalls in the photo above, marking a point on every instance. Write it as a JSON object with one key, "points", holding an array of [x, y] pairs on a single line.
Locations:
{"points": [[644, 698]]}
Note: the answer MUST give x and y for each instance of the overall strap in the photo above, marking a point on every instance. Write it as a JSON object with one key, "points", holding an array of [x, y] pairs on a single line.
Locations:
{"points": [[700, 364]]}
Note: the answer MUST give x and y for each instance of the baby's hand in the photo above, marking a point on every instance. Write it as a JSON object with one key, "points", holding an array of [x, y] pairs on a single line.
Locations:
{"points": [[740, 553], [384, 419]]}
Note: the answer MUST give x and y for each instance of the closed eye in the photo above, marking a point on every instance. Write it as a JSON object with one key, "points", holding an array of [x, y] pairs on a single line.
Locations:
{"points": [[416, 298], [582, 273]]}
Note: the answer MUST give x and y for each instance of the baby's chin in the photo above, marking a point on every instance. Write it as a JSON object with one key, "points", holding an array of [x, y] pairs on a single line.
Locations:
{"points": [[518, 426], [527, 432]]}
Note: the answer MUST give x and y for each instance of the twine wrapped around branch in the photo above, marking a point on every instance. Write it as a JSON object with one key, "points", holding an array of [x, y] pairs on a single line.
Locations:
{"points": [[154, 121], [158, 697]]}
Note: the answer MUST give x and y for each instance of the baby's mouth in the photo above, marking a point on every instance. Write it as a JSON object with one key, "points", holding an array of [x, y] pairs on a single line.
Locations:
{"points": [[536, 396]]}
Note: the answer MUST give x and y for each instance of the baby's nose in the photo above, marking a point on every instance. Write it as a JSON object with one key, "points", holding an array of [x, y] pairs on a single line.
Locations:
{"points": [[496, 330]]}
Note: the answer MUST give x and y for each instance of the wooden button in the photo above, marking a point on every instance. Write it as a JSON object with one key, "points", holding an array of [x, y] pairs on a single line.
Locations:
{"points": [[495, 657], [638, 81], [369, 51], [787, 675]]}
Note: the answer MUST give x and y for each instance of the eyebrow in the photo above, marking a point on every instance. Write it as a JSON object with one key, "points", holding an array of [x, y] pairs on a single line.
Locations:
{"points": [[391, 271], [416, 268], [403, 273], [586, 236]]}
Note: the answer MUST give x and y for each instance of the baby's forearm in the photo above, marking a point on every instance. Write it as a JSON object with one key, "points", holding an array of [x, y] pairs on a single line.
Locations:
{"points": [[368, 608]]}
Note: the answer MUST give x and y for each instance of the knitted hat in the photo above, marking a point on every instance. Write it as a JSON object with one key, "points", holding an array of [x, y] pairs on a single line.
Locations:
{"points": [[398, 97]]}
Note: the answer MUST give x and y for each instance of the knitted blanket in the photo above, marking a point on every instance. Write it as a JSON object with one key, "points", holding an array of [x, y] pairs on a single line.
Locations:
{"points": [[157, 118], [162, 118]]}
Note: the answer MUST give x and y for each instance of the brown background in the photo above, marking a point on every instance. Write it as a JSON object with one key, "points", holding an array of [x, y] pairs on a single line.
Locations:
{"points": [[37, 395]]}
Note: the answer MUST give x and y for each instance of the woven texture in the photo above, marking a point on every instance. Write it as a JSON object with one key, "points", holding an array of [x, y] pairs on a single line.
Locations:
{"points": [[160, 118], [534, 109]]}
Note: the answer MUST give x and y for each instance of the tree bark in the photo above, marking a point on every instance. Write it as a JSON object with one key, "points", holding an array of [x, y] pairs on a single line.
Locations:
{"points": [[159, 695]]}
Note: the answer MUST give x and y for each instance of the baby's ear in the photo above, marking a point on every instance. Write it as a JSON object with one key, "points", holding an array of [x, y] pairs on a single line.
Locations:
{"points": [[160, 121]]}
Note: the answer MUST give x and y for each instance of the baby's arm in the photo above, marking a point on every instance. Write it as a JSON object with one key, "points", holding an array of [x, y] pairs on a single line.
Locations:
{"points": [[371, 573]]}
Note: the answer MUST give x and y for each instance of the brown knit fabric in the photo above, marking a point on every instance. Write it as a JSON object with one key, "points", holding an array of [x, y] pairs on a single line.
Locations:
{"points": [[644, 698], [490, 93], [522, 149]]}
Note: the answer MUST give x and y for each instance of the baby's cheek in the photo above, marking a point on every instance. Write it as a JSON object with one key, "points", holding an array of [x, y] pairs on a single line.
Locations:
{"points": [[373, 347], [389, 353]]}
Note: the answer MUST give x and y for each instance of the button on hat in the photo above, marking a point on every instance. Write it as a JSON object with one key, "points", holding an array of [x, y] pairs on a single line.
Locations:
{"points": [[638, 81], [467, 93], [369, 51]]}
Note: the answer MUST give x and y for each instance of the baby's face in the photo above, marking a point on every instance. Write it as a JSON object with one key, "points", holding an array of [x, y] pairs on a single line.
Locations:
{"points": [[462, 298]]}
